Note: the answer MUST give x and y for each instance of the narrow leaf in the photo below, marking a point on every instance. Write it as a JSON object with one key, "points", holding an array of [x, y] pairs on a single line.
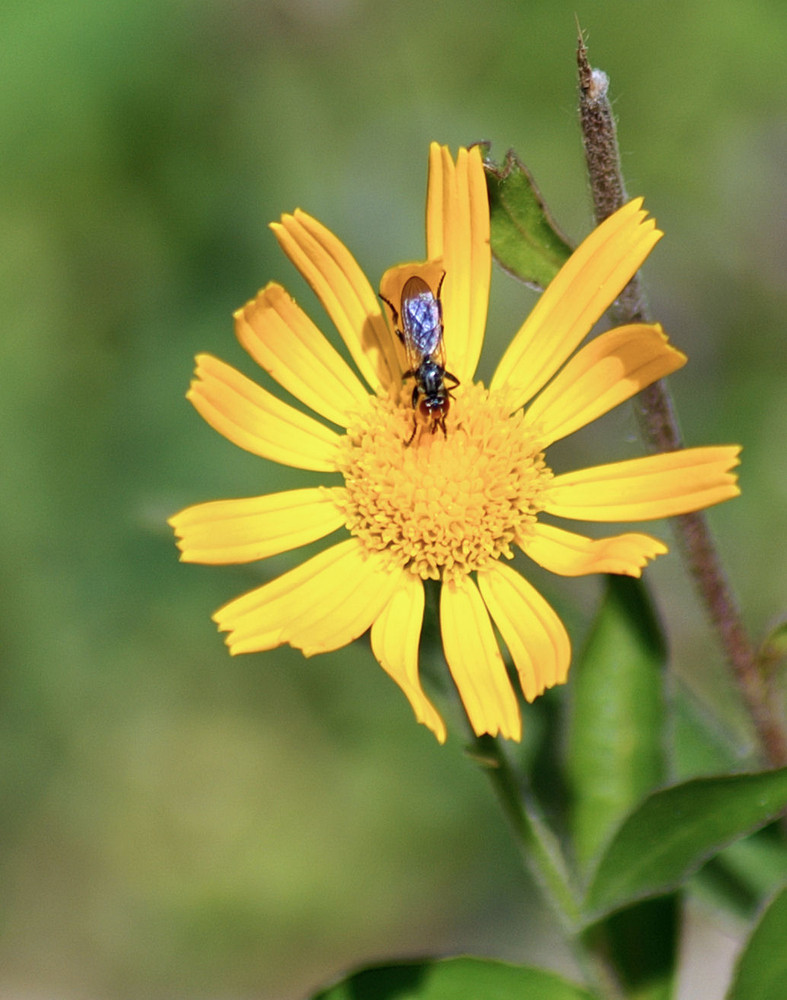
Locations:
{"points": [[525, 240], [676, 830], [454, 979], [616, 754], [761, 972]]}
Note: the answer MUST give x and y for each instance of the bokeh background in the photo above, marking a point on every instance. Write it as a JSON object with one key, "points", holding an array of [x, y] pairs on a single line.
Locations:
{"points": [[178, 823]]}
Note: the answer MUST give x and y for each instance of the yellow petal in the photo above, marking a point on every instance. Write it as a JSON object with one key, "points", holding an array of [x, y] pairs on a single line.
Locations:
{"points": [[238, 531], [395, 636], [642, 489], [252, 418], [457, 230], [536, 638], [348, 298], [569, 554], [586, 285], [322, 604], [609, 370], [283, 340], [474, 659]]}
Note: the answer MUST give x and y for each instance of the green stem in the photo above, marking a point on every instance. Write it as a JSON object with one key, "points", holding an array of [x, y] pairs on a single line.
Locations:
{"points": [[544, 859], [539, 844]]}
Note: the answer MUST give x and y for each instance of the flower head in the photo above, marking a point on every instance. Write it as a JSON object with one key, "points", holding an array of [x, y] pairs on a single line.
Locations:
{"points": [[449, 501]]}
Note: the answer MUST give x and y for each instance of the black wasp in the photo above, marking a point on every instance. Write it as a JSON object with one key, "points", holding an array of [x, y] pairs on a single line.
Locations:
{"points": [[422, 336]]}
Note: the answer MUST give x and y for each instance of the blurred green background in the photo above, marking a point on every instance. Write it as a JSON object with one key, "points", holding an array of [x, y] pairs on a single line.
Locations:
{"points": [[178, 823]]}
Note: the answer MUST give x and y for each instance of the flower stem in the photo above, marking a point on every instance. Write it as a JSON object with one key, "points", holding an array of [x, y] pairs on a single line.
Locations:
{"points": [[545, 861], [539, 845], [660, 428]]}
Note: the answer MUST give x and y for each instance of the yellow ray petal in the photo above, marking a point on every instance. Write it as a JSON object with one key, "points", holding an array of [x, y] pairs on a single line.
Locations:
{"points": [[642, 489], [360, 589], [569, 554], [323, 604], [536, 638], [348, 298], [609, 370], [395, 636], [474, 659], [283, 340], [238, 531], [252, 418], [583, 289], [457, 230]]}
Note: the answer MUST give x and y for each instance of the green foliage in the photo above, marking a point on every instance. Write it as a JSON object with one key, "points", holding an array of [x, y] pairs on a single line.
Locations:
{"points": [[454, 979], [745, 873], [761, 972], [641, 944], [525, 240], [616, 741], [675, 830], [615, 758], [636, 844]]}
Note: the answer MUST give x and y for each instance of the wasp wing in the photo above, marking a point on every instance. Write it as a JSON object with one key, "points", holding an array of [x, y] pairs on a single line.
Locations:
{"points": [[422, 322]]}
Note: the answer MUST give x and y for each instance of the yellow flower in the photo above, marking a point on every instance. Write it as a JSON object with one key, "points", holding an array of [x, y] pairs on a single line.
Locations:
{"points": [[448, 506]]}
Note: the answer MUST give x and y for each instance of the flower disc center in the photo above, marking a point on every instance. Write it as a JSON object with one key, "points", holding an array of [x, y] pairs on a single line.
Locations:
{"points": [[445, 505]]}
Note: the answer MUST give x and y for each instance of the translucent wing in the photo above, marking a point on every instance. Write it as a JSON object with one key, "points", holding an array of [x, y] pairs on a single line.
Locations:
{"points": [[422, 322]]}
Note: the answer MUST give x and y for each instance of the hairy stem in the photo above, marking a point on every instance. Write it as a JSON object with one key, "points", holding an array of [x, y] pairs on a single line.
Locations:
{"points": [[660, 428]]}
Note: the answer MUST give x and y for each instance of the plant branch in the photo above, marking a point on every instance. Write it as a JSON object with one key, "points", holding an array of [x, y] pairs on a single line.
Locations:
{"points": [[545, 860], [540, 847], [660, 428]]}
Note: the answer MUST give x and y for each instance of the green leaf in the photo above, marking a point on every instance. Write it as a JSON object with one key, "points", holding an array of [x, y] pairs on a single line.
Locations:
{"points": [[741, 876], [641, 942], [615, 741], [761, 972], [676, 830], [758, 863], [454, 979], [701, 742], [525, 240]]}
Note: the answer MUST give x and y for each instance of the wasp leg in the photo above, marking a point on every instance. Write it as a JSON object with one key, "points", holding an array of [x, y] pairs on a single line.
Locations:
{"points": [[439, 421], [394, 315]]}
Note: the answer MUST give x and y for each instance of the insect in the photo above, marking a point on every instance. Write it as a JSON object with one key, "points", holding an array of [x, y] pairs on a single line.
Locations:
{"points": [[422, 336]]}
